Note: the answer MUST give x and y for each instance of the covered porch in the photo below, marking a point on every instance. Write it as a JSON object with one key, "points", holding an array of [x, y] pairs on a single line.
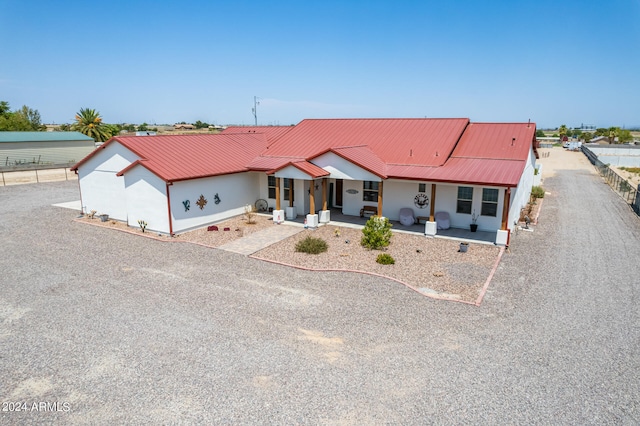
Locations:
{"points": [[348, 221]]}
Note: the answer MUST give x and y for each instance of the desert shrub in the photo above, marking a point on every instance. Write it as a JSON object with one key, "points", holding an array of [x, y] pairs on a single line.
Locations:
{"points": [[311, 245], [385, 259], [537, 192], [376, 233]]}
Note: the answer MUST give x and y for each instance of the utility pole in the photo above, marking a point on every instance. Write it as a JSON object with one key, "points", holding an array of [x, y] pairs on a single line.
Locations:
{"points": [[254, 110]]}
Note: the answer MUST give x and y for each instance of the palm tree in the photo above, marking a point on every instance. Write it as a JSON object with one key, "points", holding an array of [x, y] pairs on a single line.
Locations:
{"points": [[563, 131], [89, 122]]}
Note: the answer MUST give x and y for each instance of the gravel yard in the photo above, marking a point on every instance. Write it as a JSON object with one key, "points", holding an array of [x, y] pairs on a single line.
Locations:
{"points": [[431, 265], [423, 263], [117, 329]]}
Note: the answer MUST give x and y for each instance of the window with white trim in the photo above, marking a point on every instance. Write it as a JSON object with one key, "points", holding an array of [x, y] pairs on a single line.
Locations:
{"points": [[465, 199], [370, 190], [271, 185], [489, 202]]}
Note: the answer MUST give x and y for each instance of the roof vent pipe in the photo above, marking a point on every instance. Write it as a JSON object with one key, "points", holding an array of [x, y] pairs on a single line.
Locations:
{"points": [[411, 153], [529, 123], [513, 140]]}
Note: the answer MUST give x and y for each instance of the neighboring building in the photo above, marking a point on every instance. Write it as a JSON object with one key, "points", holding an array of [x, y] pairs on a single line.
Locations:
{"points": [[55, 148], [184, 126], [181, 182], [618, 155]]}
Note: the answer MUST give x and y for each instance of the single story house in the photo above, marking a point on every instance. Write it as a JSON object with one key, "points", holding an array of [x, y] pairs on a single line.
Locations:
{"points": [[43, 148], [454, 166]]}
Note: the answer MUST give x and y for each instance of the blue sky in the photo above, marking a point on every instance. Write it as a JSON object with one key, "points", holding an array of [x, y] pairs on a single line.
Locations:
{"points": [[554, 62]]}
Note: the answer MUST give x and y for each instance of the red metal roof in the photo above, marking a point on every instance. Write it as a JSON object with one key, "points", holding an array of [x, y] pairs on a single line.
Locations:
{"points": [[441, 150], [182, 157], [271, 132], [426, 141], [492, 154], [506, 141]]}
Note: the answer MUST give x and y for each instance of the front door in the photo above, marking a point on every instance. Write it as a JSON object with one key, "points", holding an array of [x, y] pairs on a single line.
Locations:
{"points": [[338, 192]]}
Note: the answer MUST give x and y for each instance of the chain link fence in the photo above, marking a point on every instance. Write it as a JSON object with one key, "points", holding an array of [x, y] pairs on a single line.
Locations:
{"points": [[619, 184]]}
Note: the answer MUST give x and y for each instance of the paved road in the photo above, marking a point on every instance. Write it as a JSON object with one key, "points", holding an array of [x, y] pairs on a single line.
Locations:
{"points": [[129, 330]]}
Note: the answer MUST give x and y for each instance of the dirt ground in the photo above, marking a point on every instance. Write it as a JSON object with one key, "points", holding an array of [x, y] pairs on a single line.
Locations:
{"points": [[561, 159], [33, 176]]}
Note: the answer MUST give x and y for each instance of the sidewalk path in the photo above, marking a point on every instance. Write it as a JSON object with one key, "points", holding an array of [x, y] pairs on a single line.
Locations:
{"points": [[258, 240]]}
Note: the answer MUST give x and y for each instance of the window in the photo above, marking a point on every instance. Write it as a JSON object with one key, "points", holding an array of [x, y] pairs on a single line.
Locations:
{"points": [[422, 187], [465, 197], [489, 202], [288, 189], [271, 184], [370, 190]]}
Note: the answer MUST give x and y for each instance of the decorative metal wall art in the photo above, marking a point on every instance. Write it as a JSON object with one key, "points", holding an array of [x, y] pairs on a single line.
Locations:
{"points": [[421, 201], [201, 202], [187, 205], [351, 191], [216, 199]]}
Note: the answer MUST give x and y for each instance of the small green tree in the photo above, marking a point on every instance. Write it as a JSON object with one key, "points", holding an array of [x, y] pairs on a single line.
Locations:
{"points": [[376, 233], [540, 134], [625, 136]]}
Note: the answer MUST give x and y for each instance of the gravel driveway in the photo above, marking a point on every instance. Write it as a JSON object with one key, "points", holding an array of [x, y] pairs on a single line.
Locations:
{"points": [[118, 329]]}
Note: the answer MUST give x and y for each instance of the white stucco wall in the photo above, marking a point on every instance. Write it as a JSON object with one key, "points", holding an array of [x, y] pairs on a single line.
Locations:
{"points": [[397, 194], [146, 200], [447, 199], [235, 191], [520, 195], [100, 188]]}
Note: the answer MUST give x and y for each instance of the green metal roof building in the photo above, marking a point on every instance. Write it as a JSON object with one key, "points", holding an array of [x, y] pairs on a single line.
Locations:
{"points": [[20, 149]]}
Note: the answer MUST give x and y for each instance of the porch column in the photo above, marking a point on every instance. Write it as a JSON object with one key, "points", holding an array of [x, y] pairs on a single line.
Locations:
{"points": [[277, 193], [503, 234], [324, 213], [431, 227], [312, 199], [312, 217], [278, 214], [432, 213], [380, 199], [324, 193], [290, 192], [505, 208]]}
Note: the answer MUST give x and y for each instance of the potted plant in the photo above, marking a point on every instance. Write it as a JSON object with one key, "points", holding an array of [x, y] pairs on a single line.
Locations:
{"points": [[474, 218]]}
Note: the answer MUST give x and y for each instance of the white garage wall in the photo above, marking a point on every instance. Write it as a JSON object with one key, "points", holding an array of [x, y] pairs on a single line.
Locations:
{"points": [[146, 200], [100, 188], [235, 191]]}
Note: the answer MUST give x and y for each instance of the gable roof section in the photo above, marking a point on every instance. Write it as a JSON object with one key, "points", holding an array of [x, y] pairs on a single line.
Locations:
{"points": [[306, 167], [363, 157], [484, 155], [498, 141], [182, 157], [43, 137]]}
